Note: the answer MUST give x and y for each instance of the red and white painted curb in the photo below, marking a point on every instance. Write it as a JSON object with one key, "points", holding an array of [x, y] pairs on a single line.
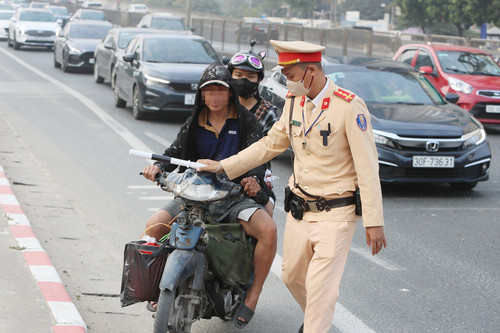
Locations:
{"points": [[66, 316]]}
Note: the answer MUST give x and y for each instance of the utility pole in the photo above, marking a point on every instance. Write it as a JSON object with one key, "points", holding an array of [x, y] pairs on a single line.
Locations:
{"points": [[333, 13], [188, 16]]}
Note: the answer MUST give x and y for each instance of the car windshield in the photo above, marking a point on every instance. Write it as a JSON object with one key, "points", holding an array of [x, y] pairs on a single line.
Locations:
{"points": [[96, 16], [5, 15], [388, 87], [468, 63], [179, 51], [124, 38], [37, 16], [167, 23], [59, 10], [88, 31]]}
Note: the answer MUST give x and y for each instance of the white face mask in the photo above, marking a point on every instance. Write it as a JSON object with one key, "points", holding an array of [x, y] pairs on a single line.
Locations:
{"points": [[297, 87]]}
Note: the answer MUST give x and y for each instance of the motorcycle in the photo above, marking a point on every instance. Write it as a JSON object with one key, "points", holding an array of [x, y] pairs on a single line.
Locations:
{"points": [[190, 287]]}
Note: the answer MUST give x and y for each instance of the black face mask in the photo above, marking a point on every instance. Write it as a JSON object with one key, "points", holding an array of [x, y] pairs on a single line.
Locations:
{"points": [[245, 87]]}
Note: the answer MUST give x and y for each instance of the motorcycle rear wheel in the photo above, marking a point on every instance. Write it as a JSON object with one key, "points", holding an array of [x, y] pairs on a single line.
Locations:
{"points": [[174, 313]]}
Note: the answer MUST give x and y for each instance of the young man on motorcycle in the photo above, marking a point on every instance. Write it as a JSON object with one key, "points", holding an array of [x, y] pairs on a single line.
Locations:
{"points": [[247, 70], [219, 128]]}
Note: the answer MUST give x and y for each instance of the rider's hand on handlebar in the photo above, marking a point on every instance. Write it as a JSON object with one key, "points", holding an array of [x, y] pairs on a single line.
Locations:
{"points": [[250, 186], [150, 172]]}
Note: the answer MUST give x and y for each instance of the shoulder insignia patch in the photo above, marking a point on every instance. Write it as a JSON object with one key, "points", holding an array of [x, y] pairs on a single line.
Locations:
{"points": [[344, 94], [361, 121], [289, 94]]}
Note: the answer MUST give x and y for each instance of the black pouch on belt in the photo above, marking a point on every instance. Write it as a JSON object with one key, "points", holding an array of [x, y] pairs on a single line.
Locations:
{"points": [[288, 198], [357, 198]]}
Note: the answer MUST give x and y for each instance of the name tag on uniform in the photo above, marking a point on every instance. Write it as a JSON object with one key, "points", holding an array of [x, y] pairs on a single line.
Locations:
{"points": [[295, 123]]}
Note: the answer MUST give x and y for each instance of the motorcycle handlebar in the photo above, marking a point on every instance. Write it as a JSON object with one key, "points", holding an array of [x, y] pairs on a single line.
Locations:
{"points": [[156, 157]]}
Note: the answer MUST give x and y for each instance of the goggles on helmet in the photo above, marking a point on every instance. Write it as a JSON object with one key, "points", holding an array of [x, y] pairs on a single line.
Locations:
{"points": [[247, 59]]}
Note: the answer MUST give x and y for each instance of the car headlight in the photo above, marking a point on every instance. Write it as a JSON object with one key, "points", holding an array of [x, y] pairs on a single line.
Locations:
{"points": [[460, 86], [383, 140], [154, 81], [73, 50], [475, 137], [22, 30]]}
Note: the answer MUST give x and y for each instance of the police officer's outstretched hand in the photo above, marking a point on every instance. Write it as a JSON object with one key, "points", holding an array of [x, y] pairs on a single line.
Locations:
{"points": [[375, 238]]}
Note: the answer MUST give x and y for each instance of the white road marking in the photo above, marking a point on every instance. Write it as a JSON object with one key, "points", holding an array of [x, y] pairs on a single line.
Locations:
{"points": [[45, 273], [345, 320], [385, 263], [159, 139]]}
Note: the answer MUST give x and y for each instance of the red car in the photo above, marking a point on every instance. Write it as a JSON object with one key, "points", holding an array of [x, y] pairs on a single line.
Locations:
{"points": [[469, 72]]}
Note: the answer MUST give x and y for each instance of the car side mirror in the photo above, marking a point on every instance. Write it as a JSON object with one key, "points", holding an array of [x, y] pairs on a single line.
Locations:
{"points": [[225, 60], [108, 46], [59, 21], [452, 97], [128, 58], [13, 19], [426, 70]]}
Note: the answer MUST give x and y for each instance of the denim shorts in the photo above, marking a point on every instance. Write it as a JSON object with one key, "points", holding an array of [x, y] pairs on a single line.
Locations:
{"points": [[225, 211]]}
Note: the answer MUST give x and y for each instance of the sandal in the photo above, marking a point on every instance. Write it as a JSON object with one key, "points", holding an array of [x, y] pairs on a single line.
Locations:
{"points": [[243, 312], [149, 306]]}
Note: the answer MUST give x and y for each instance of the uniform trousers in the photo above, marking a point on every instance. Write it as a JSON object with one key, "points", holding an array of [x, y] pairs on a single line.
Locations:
{"points": [[314, 257]]}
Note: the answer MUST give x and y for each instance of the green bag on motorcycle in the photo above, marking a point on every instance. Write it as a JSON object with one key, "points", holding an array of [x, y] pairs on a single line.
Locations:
{"points": [[230, 253]]}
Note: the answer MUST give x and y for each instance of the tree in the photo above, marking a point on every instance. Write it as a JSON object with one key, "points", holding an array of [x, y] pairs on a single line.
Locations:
{"points": [[421, 12]]}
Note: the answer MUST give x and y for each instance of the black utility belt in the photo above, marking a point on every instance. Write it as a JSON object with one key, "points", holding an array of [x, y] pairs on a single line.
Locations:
{"points": [[298, 206]]}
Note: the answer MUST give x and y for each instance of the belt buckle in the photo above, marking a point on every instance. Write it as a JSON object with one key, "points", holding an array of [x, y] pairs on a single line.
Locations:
{"points": [[313, 206]]}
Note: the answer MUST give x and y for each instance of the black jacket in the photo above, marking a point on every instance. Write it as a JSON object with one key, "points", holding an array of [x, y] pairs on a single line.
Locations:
{"points": [[184, 146]]}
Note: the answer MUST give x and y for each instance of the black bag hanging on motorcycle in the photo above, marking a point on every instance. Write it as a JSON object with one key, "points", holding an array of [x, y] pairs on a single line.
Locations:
{"points": [[230, 253], [142, 271]]}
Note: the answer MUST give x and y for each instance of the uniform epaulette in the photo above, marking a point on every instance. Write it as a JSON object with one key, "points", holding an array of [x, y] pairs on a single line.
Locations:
{"points": [[344, 94], [289, 94]]}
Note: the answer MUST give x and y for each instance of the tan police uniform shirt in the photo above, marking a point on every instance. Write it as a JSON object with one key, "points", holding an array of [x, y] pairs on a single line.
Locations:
{"points": [[349, 159]]}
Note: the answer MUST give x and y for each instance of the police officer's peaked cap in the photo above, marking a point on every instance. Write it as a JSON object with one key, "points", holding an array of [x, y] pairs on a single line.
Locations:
{"points": [[294, 52]]}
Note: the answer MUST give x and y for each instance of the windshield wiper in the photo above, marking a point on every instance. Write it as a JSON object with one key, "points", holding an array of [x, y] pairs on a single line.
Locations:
{"points": [[456, 70]]}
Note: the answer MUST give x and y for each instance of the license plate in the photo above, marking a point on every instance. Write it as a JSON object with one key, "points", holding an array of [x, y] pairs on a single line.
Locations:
{"points": [[189, 99], [493, 108], [433, 161], [91, 61]]}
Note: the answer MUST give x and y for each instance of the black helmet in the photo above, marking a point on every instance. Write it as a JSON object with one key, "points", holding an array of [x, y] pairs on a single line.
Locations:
{"points": [[249, 61]]}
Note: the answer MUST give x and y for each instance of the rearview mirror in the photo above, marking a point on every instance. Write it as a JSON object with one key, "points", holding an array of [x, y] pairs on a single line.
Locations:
{"points": [[128, 58], [426, 70]]}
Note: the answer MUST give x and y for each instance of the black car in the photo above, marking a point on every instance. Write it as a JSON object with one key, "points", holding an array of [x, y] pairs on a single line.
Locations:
{"points": [[111, 48], [161, 73], [420, 136], [164, 21], [259, 29], [75, 44]]}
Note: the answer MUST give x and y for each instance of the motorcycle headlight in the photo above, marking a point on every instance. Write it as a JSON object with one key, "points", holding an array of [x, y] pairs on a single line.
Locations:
{"points": [[382, 139], [154, 81], [475, 137], [460, 86], [73, 50]]}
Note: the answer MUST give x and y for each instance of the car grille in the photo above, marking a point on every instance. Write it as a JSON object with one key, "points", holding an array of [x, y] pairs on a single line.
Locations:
{"points": [[40, 33], [421, 144], [183, 87], [423, 173], [489, 93]]}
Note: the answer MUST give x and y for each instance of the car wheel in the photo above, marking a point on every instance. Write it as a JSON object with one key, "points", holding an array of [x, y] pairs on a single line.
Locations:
{"points": [[112, 75], [64, 64], [9, 41], [97, 77], [463, 186], [119, 103], [137, 111], [56, 64], [16, 45]]}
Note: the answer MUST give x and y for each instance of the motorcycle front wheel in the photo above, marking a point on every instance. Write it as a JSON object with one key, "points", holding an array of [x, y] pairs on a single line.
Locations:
{"points": [[176, 310]]}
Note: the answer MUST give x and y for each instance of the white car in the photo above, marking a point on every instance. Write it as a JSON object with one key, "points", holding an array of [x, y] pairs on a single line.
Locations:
{"points": [[138, 8], [5, 16], [32, 27]]}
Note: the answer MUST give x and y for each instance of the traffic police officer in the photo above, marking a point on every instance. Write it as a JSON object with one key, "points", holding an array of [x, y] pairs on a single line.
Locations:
{"points": [[330, 132]]}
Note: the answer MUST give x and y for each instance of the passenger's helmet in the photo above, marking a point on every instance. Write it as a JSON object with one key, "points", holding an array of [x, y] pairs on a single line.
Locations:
{"points": [[249, 61]]}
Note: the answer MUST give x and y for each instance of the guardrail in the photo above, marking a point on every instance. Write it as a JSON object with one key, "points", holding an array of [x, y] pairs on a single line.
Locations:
{"points": [[232, 35]]}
